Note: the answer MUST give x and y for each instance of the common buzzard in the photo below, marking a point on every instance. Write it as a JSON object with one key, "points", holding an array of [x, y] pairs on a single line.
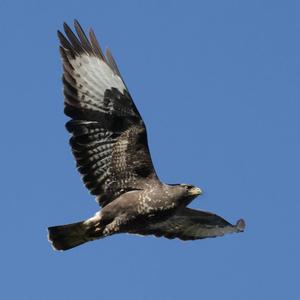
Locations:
{"points": [[109, 143]]}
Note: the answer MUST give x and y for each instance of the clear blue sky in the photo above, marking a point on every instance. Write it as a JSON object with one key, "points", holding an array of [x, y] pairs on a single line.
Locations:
{"points": [[217, 83]]}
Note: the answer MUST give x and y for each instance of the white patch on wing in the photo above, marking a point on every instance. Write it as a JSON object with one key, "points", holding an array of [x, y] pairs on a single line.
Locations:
{"points": [[97, 73], [93, 77]]}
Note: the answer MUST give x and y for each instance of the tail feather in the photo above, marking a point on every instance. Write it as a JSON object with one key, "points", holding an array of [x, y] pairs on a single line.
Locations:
{"points": [[68, 236]]}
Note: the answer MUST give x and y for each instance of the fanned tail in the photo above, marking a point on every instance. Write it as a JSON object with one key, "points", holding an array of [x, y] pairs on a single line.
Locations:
{"points": [[68, 236]]}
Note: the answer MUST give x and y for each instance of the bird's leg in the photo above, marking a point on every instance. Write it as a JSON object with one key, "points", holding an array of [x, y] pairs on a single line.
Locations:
{"points": [[94, 227], [114, 226]]}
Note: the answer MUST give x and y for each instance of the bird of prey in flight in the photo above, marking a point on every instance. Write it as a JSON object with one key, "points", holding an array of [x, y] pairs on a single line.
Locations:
{"points": [[109, 143]]}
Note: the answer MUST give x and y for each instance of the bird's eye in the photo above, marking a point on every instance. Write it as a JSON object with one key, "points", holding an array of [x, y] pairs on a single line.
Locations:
{"points": [[187, 186]]}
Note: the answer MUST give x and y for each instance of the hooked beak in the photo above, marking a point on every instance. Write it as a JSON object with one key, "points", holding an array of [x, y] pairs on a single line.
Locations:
{"points": [[195, 191]]}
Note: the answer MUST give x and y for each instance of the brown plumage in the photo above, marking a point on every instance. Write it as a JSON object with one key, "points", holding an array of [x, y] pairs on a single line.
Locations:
{"points": [[109, 143]]}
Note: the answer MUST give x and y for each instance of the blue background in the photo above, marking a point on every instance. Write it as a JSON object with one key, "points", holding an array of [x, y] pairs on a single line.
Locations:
{"points": [[217, 83]]}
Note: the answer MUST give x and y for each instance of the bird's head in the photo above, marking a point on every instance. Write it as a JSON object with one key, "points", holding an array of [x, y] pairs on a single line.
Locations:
{"points": [[187, 192], [190, 191]]}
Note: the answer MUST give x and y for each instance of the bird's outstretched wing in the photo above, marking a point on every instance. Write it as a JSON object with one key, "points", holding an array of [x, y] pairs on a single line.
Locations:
{"points": [[191, 224], [109, 139]]}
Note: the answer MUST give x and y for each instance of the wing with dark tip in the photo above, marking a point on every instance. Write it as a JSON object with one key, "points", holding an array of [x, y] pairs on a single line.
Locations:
{"points": [[190, 224], [109, 139]]}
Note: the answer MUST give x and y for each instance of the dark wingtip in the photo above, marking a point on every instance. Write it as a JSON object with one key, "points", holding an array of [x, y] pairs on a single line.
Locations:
{"points": [[60, 35], [66, 26], [95, 45], [77, 24], [240, 225]]}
